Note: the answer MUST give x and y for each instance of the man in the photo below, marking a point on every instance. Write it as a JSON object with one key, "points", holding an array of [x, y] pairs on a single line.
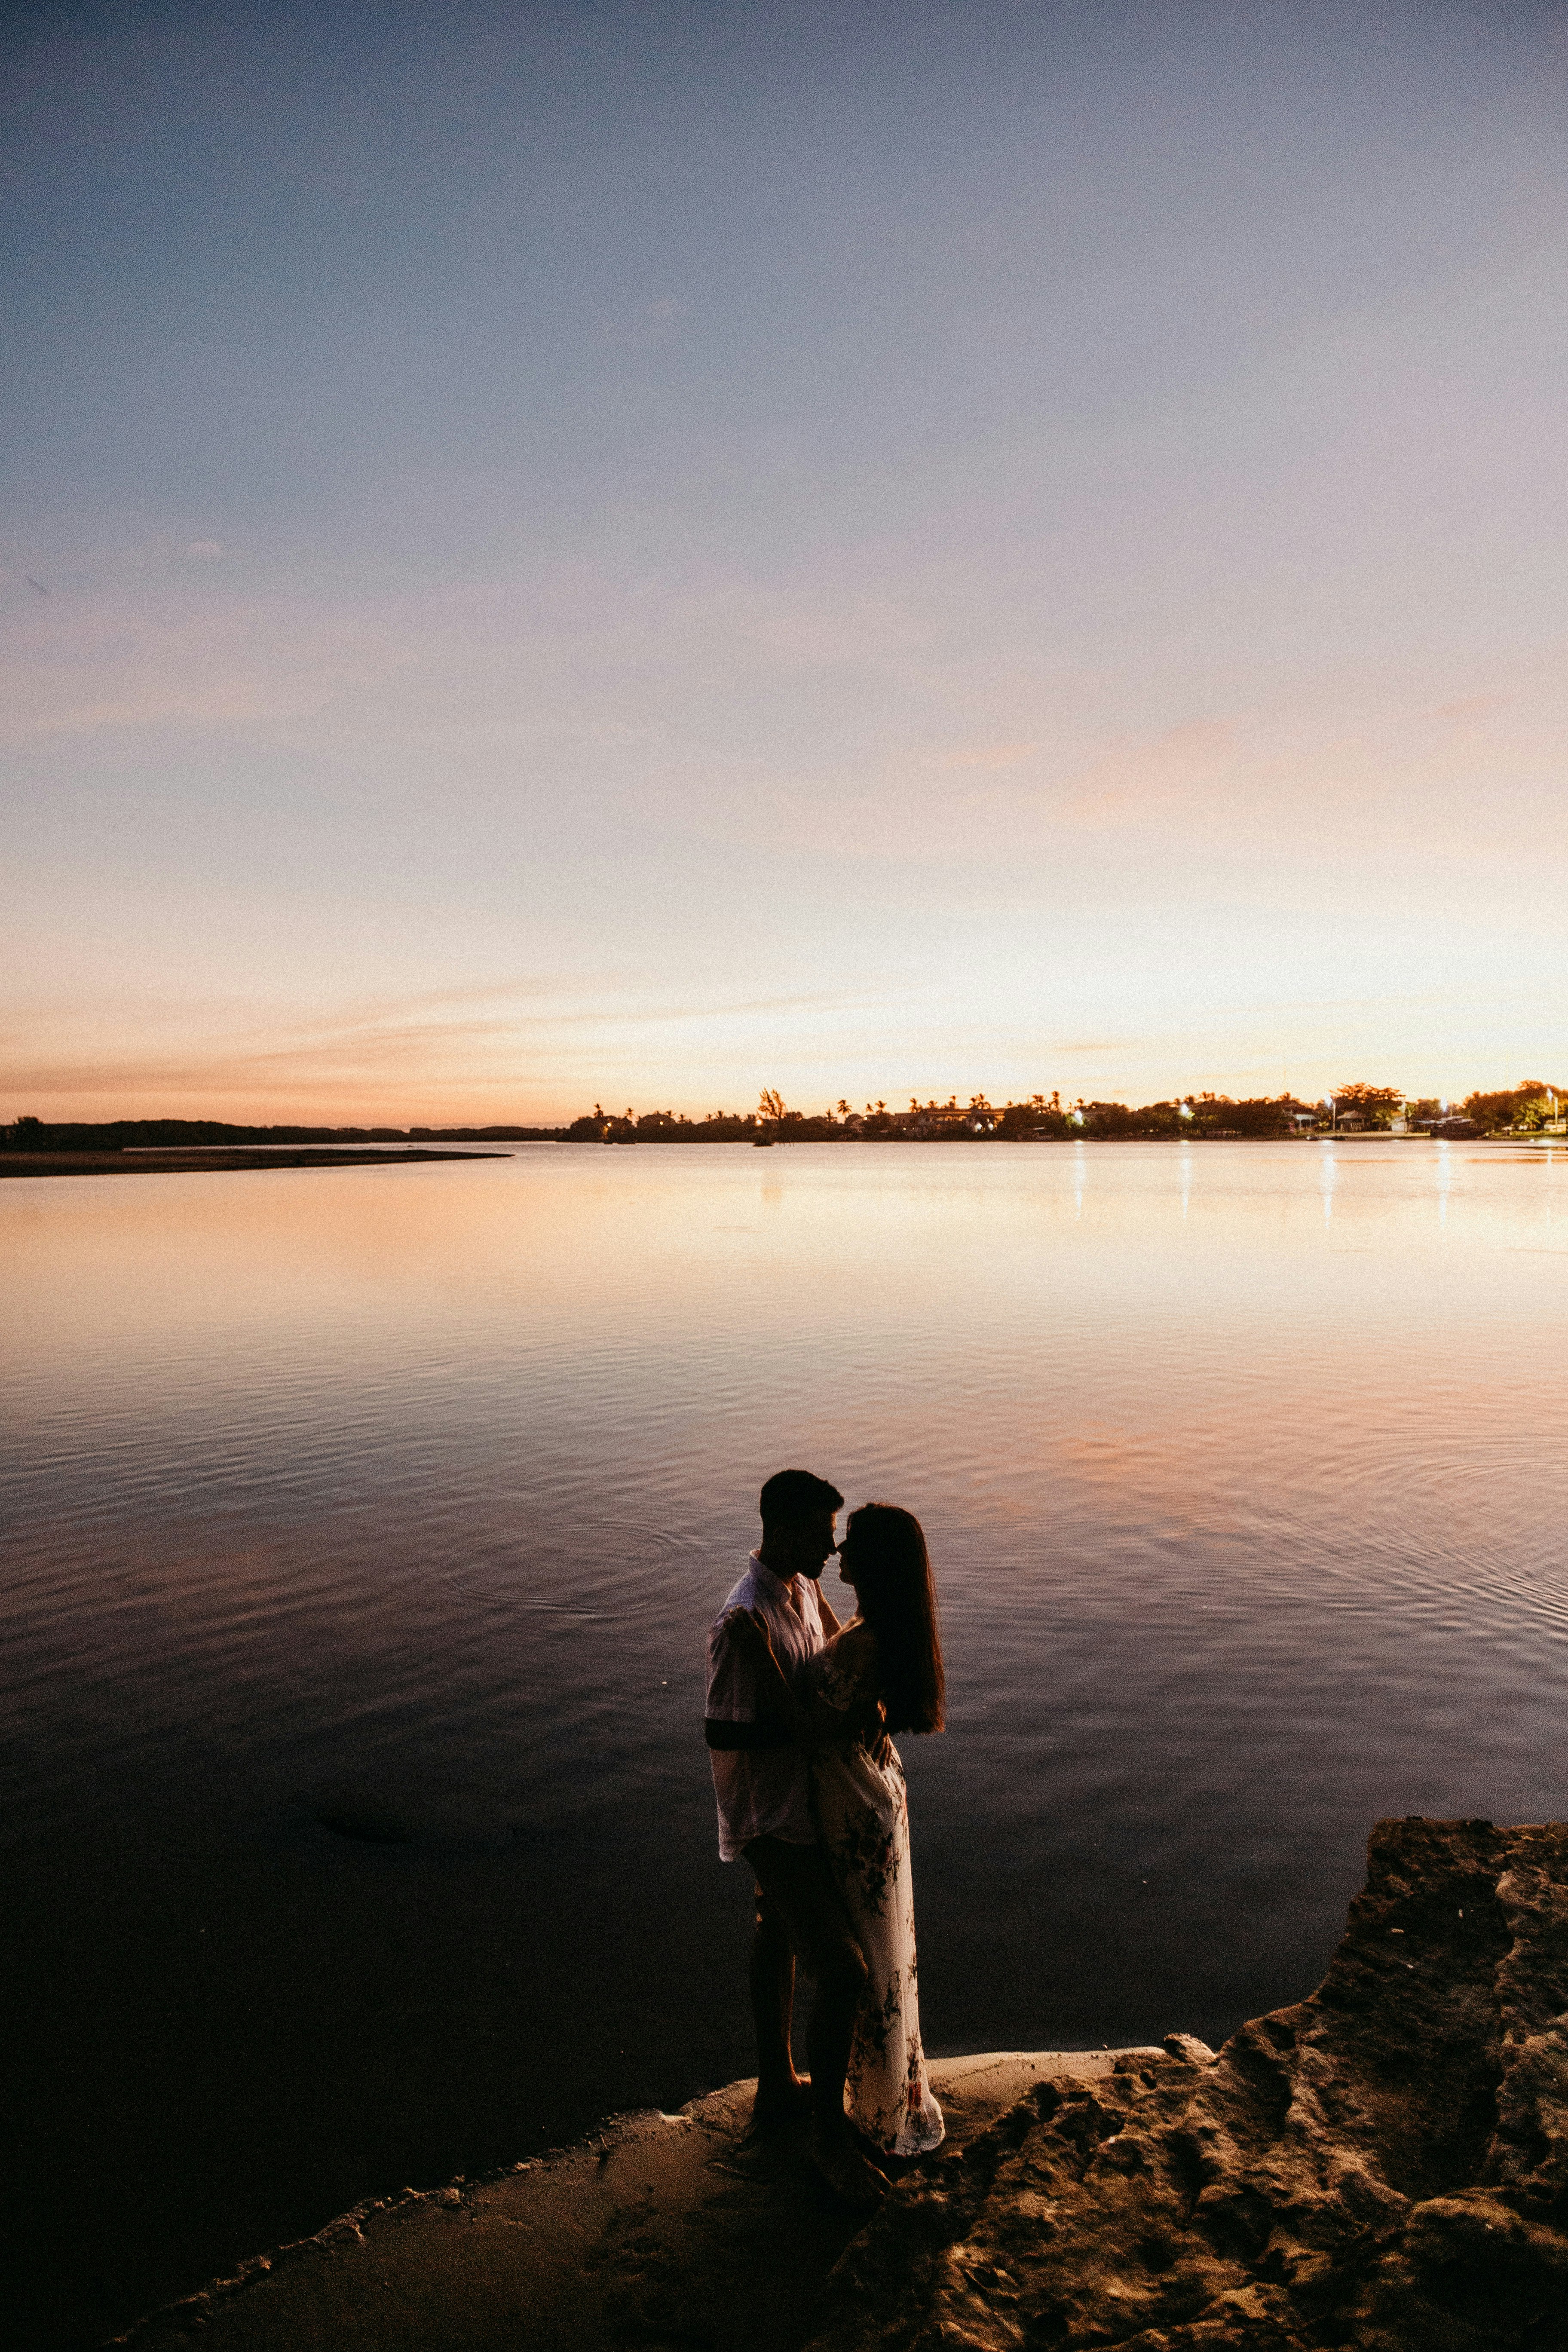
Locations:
{"points": [[763, 1783]]}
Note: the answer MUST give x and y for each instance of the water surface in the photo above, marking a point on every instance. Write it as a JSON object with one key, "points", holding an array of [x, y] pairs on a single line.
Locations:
{"points": [[364, 1524]]}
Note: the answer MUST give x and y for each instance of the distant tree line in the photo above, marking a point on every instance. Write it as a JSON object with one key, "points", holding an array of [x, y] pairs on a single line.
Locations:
{"points": [[1530, 1107]]}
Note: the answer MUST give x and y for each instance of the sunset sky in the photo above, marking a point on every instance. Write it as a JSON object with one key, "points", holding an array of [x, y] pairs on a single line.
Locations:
{"points": [[636, 552]]}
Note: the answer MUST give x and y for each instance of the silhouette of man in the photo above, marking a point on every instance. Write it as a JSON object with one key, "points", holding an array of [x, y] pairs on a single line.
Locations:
{"points": [[762, 1783]]}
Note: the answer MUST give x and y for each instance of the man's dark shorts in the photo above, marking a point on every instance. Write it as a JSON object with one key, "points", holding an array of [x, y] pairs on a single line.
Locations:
{"points": [[795, 1890]]}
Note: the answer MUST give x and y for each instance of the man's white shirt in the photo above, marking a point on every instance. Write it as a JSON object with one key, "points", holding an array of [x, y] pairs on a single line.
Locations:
{"points": [[762, 1792]]}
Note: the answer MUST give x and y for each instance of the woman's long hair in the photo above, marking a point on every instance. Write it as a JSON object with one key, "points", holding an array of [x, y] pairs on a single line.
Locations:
{"points": [[898, 1601]]}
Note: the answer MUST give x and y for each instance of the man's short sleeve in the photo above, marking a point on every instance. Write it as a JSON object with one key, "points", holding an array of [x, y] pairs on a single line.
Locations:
{"points": [[731, 1682]]}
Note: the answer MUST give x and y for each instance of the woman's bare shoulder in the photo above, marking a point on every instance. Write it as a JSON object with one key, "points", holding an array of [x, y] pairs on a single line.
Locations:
{"points": [[856, 1647]]}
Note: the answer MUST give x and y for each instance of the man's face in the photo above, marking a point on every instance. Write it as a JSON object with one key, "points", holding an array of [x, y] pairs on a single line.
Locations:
{"points": [[803, 1549]]}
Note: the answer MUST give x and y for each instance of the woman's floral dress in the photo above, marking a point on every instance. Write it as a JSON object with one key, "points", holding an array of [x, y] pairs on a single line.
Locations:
{"points": [[863, 1820]]}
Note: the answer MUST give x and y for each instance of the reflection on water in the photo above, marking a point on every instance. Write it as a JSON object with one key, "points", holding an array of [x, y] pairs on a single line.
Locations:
{"points": [[363, 1525]]}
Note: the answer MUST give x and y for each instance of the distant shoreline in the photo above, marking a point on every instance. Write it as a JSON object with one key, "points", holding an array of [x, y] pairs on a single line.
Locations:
{"points": [[219, 1159]]}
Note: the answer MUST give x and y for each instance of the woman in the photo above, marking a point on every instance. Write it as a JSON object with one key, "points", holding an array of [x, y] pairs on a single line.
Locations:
{"points": [[880, 1674]]}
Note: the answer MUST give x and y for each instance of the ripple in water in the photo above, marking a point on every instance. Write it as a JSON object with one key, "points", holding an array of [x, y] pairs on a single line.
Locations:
{"points": [[590, 1572]]}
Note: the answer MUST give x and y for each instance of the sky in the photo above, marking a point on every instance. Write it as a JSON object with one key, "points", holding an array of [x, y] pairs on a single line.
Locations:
{"points": [[635, 553]]}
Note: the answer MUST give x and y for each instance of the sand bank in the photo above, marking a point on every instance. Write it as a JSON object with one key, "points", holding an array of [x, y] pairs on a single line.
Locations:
{"points": [[219, 1158], [661, 2231]]}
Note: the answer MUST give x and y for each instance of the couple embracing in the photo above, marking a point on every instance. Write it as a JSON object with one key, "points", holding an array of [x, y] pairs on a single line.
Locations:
{"points": [[800, 1714]]}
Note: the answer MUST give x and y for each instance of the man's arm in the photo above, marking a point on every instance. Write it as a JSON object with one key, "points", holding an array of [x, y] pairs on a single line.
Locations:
{"points": [[738, 1717]]}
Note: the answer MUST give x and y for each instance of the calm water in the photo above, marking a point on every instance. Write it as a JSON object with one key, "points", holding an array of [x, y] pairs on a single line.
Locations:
{"points": [[363, 1526]]}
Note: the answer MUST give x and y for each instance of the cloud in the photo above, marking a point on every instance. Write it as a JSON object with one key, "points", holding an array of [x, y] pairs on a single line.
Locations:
{"points": [[390, 1047], [913, 810], [1178, 769], [132, 657]]}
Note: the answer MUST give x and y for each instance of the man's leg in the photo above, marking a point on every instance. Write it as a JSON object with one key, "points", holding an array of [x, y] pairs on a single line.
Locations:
{"points": [[781, 2093], [799, 1891]]}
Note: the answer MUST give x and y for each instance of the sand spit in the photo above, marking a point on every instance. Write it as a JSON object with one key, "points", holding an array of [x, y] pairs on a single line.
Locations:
{"points": [[662, 2230], [220, 1157]]}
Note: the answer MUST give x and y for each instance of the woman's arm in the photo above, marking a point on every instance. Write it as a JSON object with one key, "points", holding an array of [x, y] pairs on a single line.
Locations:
{"points": [[812, 1723], [831, 1621]]}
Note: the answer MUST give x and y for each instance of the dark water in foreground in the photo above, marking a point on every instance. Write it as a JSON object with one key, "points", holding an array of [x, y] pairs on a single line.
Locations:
{"points": [[399, 1499]]}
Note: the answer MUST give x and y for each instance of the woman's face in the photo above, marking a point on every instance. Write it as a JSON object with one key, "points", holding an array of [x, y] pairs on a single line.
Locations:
{"points": [[847, 1561]]}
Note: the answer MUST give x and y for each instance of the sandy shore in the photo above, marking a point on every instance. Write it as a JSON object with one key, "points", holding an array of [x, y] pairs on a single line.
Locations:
{"points": [[218, 1159], [662, 2230]]}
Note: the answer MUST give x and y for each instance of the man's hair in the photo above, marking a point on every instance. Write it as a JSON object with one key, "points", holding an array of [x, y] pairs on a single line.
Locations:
{"points": [[791, 1495]]}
